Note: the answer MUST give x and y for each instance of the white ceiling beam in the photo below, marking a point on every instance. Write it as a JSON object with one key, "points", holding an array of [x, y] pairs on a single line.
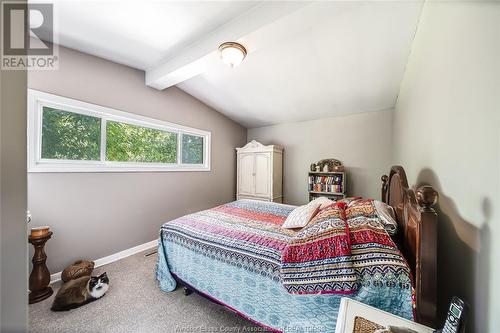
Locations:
{"points": [[193, 60]]}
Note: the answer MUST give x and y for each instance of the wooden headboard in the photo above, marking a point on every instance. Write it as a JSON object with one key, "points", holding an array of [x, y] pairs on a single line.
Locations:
{"points": [[416, 237]]}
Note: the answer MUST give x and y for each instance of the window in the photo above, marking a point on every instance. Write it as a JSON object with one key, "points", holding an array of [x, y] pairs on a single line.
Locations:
{"points": [[192, 149], [131, 143], [70, 136], [67, 135]]}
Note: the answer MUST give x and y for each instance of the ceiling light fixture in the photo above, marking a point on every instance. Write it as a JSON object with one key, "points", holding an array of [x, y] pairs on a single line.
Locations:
{"points": [[232, 53]]}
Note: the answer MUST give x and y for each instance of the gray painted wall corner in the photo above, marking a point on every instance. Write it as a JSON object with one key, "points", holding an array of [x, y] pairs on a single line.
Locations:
{"points": [[13, 197]]}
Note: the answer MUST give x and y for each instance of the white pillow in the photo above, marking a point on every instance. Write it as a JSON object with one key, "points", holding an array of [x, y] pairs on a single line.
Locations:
{"points": [[387, 215], [300, 216], [323, 202]]}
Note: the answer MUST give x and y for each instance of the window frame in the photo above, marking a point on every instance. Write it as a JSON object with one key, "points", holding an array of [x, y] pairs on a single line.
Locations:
{"points": [[38, 99]]}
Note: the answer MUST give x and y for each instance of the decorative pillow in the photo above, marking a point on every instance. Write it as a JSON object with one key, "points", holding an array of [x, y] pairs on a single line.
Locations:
{"points": [[323, 202], [300, 216], [373, 209]]}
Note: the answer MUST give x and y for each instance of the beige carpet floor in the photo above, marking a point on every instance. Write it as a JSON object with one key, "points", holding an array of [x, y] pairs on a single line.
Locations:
{"points": [[134, 303]]}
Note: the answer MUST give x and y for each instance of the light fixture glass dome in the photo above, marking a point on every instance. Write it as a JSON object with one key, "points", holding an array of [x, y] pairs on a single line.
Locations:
{"points": [[232, 53]]}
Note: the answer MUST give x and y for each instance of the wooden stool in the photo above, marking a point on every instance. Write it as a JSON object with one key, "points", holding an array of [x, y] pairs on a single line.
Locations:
{"points": [[40, 275]]}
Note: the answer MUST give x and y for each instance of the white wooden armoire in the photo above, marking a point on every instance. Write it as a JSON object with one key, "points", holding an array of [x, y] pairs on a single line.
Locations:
{"points": [[259, 172]]}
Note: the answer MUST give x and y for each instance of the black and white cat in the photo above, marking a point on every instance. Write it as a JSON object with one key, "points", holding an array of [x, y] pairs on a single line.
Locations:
{"points": [[78, 292]]}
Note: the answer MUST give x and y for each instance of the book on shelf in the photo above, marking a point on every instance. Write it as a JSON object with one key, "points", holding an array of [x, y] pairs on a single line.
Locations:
{"points": [[331, 184]]}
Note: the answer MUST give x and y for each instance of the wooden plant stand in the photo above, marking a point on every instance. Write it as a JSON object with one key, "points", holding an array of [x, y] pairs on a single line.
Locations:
{"points": [[40, 276]]}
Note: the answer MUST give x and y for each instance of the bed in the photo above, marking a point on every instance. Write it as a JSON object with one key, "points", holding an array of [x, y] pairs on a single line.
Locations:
{"points": [[238, 255]]}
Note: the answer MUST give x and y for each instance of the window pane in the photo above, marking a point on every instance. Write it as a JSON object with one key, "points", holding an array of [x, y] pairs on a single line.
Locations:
{"points": [[192, 149], [131, 143], [70, 136]]}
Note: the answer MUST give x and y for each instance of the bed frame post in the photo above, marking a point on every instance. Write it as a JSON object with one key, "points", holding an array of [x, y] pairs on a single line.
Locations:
{"points": [[385, 185], [416, 238], [426, 281]]}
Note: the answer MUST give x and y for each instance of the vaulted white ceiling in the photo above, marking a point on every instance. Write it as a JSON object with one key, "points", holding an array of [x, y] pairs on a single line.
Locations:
{"points": [[139, 33], [306, 60]]}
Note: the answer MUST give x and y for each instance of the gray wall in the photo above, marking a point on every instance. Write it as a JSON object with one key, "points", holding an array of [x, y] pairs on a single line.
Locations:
{"points": [[13, 240], [447, 134], [361, 141], [94, 215]]}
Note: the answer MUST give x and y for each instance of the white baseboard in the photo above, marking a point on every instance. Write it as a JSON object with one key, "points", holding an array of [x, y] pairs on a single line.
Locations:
{"points": [[114, 257]]}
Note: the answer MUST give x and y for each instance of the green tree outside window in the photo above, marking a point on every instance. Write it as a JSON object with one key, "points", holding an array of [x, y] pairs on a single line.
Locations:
{"points": [[70, 136], [192, 149], [131, 143]]}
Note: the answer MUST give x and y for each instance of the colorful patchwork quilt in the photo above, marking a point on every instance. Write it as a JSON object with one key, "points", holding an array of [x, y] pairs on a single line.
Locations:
{"points": [[239, 255], [245, 233], [344, 245]]}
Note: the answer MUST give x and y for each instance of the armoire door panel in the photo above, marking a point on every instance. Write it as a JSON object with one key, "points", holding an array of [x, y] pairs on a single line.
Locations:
{"points": [[246, 174], [262, 174]]}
